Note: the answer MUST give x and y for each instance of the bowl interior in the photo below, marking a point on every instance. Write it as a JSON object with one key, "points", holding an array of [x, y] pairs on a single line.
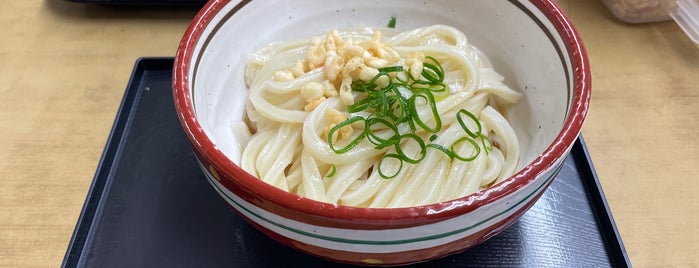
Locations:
{"points": [[523, 48]]}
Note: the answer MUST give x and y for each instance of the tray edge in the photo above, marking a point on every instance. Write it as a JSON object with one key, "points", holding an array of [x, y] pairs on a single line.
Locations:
{"points": [[99, 183], [605, 221]]}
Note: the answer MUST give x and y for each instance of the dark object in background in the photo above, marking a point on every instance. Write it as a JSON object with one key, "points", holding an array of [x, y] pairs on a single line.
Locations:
{"points": [[145, 2]]}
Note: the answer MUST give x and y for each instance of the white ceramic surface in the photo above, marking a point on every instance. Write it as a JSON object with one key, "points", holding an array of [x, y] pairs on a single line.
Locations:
{"points": [[531, 43], [516, 45]]}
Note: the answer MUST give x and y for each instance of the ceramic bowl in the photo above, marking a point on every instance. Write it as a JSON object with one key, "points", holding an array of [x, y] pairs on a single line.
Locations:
{"points": [[532, 43]]}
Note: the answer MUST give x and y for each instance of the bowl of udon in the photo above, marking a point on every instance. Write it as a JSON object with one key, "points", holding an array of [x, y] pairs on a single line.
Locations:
{"points": [[381, 132]]}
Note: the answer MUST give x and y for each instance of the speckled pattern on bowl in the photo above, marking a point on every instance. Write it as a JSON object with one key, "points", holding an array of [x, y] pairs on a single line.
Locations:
{"points": [[532, 43]]}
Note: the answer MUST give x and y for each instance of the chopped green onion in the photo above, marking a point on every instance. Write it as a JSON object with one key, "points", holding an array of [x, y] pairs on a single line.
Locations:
{"points": [[433, 72], [332, 171], [446, 151], [392, 22], [487, 147], [429, 100], [397, 106], [476, 149], [463, 124], [380, 167], [420, 144], [389, 107], [353, 143], [391, 69], [375, 139], [433, 137]]}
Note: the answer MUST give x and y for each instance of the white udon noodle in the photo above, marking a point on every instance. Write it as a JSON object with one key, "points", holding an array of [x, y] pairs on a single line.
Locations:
{"points": [[287, 149]]}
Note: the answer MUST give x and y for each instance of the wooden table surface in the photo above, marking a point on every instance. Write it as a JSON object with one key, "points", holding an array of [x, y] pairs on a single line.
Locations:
{"points": [[64, 68]]}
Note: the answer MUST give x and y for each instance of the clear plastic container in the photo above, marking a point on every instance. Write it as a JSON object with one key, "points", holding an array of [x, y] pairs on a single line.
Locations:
{"points": [[640, 11], [684, 12]]}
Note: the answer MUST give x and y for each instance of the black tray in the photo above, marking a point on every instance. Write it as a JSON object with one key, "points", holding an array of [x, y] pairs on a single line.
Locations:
{"points": [[150, 206]]}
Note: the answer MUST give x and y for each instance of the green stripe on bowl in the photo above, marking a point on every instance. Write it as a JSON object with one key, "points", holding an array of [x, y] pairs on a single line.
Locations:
{"points": [[375, 242]]}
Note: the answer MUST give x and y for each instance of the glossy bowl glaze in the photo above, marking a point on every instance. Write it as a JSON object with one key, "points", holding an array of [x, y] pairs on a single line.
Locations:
{"points": [[531, 43]]}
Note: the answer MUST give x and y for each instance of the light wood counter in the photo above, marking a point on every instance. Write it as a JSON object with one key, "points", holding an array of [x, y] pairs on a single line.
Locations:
{"points": [[64, 68]]}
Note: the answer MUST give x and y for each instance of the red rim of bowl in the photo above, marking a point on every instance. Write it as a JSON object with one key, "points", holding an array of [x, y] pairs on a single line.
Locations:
{"points": [[447, 209]]}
